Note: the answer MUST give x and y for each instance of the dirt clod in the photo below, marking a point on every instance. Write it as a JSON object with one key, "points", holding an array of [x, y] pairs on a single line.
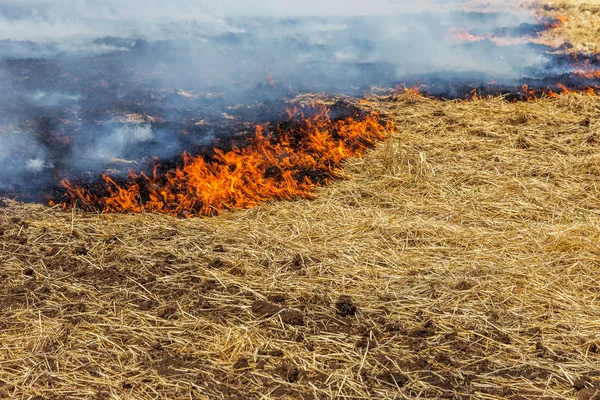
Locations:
{"points": [[277, 298], [366, 343], [502, 337], [579, 384], [443, 358], [345, 306], [265, 308], [218, 263], [393, 378], [169, 311], [463, 285], [276, 353], [219, 249], [592, 393], [290, 373], [81, 250], [423, 331], [242, 363], [292, 317], [19, 222]]}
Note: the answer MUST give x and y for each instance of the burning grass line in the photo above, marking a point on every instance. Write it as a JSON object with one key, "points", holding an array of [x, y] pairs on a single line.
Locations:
{"points": [[285, 164]]}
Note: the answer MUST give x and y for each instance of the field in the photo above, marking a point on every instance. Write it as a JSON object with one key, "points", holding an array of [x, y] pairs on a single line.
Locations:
{"points": [[459, 259], [581, 23]]}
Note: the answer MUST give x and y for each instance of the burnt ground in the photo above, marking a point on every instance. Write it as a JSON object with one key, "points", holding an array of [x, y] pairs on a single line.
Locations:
{"points": [[459, 259]]}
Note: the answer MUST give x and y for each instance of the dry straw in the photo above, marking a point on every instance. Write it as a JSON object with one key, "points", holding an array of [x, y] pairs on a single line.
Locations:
{"points": [[459, 259]]}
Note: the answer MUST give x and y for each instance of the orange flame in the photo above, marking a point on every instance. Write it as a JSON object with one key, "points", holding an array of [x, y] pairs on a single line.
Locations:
{"points": [[586, 70], [561, 21], [474, 95], [464, 36], [413, 90], [284, 165], [270, 80], [564, 89]]}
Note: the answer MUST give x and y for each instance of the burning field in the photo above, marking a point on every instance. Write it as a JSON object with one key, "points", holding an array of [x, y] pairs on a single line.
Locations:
{"points": [[267, 204]]}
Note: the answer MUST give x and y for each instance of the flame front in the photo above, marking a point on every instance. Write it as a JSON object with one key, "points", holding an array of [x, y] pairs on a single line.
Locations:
{"points": [[283, 164], [586, 70]]}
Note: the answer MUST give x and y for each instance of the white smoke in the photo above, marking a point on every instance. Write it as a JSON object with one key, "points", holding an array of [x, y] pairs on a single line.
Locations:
{"points": [[115, 144], [19, 154], [206, 47], [60, 20], [391, 31]]}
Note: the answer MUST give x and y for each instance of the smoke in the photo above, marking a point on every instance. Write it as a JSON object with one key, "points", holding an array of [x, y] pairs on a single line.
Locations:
{"points": [[21, 157], [220, 41], [116, 143], [67, 66]]}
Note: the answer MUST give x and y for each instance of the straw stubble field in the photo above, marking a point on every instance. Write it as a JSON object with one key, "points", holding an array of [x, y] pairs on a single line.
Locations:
{"points": [[459, 259]]}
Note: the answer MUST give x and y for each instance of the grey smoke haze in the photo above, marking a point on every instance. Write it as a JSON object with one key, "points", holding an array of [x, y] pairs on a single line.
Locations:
{"points": [[269, 33], [21, 156], [64, 65]]}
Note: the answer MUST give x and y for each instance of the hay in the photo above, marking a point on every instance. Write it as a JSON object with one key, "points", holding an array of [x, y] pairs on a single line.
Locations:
{"points": [[468, 244], [459, 259], [581, 26], [577, 21]]}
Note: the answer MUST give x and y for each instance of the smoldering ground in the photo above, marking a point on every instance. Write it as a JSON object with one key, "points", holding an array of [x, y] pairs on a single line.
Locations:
{"points": [[75, 71]]}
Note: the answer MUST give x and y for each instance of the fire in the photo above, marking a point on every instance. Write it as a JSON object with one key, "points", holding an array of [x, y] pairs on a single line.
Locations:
{"points": [[284, 164], [414, 90], [531, 95], [464, 36], [561, 20], [564, 90], [474, 96], [458, 35], [586, 70], [270, 80]]}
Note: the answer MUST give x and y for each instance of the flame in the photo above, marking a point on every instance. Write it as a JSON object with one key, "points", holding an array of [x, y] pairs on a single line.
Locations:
{"points": [[283, 164], [564, 89], [464, 36], [458, 35], [586, 70], [561, 20], [531, 95], [590, 91], [270, 80], [413, 90], [474, 96]]}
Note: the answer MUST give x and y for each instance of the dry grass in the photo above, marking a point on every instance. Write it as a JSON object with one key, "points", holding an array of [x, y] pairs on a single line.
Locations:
{"points": [[578, 21], [468, 243], [581, 27]]}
